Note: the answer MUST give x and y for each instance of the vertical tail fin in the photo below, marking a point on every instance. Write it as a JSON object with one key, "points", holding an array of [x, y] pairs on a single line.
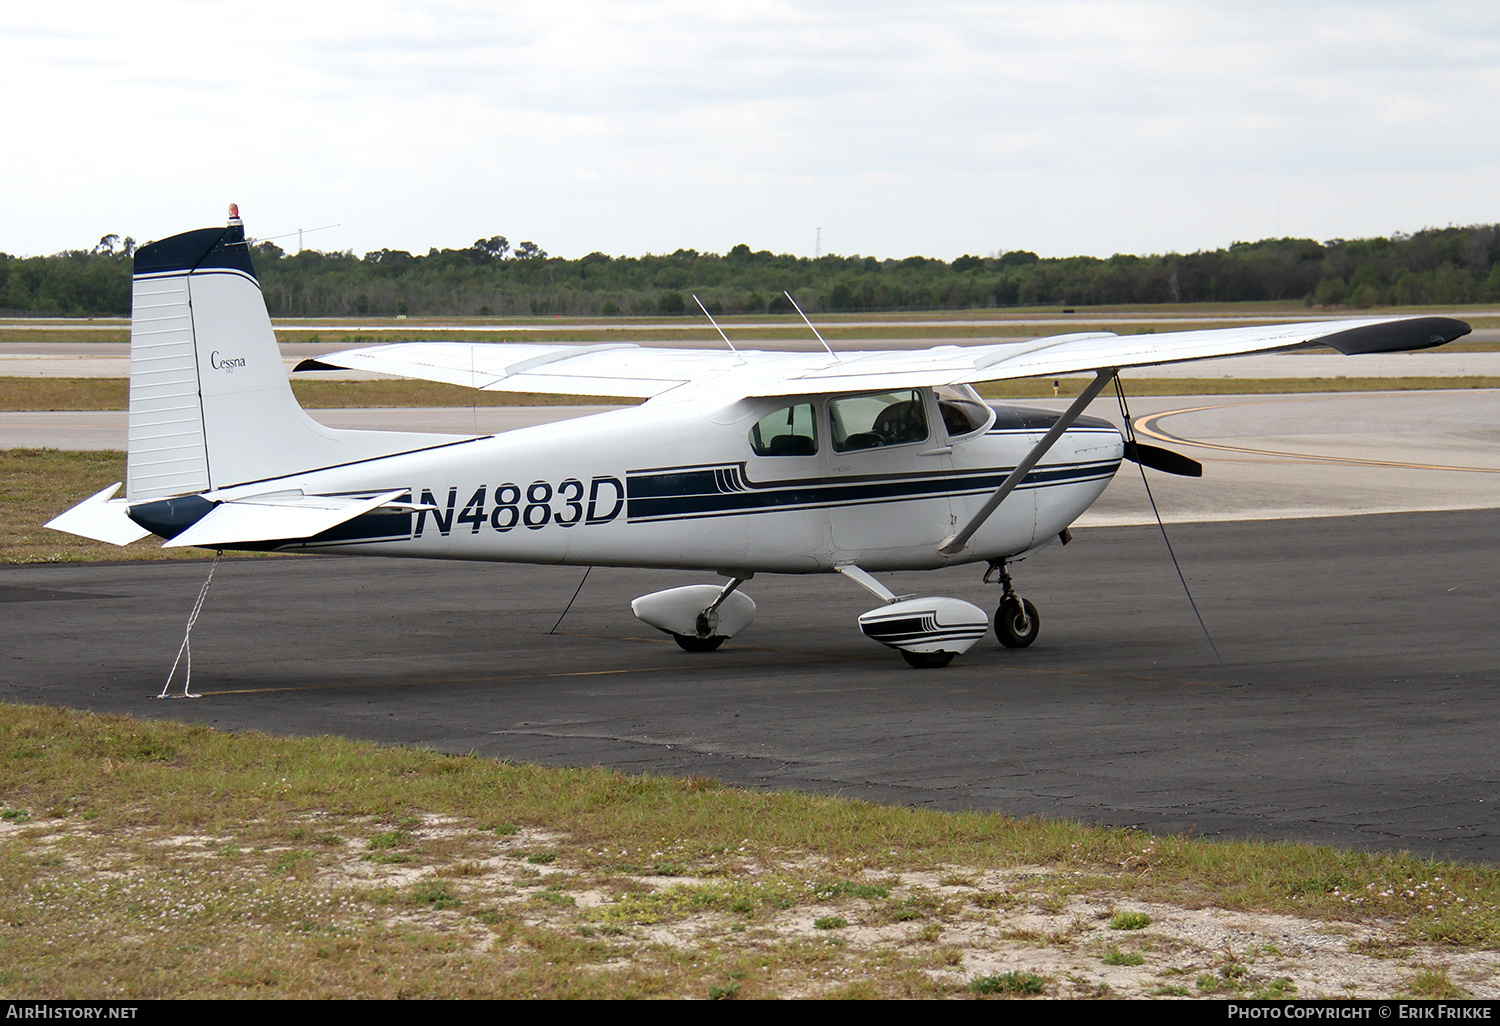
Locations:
{"points": [[210, 403]]}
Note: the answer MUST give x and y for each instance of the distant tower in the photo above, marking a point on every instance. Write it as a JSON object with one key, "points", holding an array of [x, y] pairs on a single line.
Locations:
{"points": [[818, 246]]}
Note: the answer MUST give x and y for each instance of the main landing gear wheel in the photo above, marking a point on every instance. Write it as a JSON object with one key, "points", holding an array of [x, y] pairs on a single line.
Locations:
{"points": [[1016, 623], [927, 660], [688, 643]]}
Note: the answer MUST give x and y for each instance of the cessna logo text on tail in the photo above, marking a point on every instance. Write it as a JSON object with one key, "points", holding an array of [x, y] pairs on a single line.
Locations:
{"points": [[739, 463]]}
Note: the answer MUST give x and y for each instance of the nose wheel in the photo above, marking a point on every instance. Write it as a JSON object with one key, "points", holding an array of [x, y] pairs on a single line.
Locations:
{"points": [[1016, 621]]}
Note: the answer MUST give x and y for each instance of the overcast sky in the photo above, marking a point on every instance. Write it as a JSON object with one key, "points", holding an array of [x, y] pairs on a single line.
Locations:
{"points": [[928, 128]]}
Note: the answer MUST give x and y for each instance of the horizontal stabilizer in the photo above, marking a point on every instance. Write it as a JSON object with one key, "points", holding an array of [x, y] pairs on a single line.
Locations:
{"points": [[101, 518], [276, 516]]}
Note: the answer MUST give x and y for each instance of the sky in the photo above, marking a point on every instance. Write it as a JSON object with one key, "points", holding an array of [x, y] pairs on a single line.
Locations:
{"points": [[875, 127]]}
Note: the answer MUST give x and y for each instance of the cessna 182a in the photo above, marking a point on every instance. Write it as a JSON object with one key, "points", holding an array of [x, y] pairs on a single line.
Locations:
{"points": [[737, 463]]}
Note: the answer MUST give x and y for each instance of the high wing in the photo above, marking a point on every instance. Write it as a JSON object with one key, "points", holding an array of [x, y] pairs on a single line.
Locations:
{"points": [[624, 369]]}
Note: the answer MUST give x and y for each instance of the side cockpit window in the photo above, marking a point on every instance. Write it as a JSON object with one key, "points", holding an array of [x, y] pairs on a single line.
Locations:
{"points": [[868, 421], [792, 431]]}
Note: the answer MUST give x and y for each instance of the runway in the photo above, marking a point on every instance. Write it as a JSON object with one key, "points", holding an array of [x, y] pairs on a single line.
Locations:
{"points": [[1367, 715]]}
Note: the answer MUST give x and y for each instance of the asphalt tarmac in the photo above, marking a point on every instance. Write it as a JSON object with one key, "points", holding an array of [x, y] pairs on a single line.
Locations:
{"points": [[1360, 707]]}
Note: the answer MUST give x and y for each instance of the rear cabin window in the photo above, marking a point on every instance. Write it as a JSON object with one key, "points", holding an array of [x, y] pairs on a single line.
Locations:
{"points": [[869, 421], [792, 431]]}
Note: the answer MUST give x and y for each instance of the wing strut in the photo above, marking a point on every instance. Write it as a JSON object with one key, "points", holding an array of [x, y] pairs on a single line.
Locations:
{"points": [[960, 541]]}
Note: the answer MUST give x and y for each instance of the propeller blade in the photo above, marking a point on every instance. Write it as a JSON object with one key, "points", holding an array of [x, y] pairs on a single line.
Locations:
{"points": [[1165, 460]]}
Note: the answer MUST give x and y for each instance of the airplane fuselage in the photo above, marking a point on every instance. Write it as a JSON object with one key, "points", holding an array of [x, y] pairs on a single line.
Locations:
{"points": [[684, 487]]}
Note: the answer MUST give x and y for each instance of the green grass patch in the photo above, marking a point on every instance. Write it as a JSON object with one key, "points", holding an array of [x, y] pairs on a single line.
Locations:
{"points": [[1008, 983], [162, 860], [433, 895], [1279, 989], [40, 394], [38, 484], [845, 889], [1432, 983], [1129, 921]]}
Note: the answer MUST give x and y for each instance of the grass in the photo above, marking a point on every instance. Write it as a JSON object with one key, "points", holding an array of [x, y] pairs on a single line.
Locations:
{"points": [[1433, 984], [42, 394], [38, 484], [154, 860], [1008, 983]]}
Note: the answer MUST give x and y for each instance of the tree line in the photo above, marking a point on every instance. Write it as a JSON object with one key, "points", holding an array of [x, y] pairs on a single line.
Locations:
{"points": [[1436, 266]]}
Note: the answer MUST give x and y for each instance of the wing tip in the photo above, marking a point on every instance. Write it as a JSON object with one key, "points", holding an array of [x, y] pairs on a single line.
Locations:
{"points": [[1405, 335]]}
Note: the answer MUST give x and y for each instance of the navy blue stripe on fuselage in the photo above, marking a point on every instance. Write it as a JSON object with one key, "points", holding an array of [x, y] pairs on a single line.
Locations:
{"points": [[717, 491]]}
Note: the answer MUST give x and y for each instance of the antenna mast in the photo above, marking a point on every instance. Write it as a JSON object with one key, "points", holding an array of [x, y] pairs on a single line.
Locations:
{"points": [[826, 346], [299, 233], [715, 323]]}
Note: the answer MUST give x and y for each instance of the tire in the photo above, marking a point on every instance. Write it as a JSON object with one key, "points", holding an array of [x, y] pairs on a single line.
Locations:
{"points": [[927, 660], [1008, 624], [689, 643]]}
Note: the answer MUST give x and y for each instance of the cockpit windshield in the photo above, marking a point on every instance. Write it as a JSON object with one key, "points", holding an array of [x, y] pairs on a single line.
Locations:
{"points": [[964, 412]]}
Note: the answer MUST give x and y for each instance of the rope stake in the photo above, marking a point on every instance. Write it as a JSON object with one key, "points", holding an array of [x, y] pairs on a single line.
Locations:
{"points": [[186, 648]]}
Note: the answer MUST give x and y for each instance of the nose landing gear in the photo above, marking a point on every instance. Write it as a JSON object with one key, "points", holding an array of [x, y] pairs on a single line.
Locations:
{"points": [[1016, 621]]}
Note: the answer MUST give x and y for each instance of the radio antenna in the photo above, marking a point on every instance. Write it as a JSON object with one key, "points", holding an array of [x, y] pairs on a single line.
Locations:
{"points": [[299, 233], [715, 323], [821, 339]]}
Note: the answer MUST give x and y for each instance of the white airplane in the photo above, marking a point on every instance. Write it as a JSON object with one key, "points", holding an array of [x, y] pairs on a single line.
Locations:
{"points": [[737, 463]]}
